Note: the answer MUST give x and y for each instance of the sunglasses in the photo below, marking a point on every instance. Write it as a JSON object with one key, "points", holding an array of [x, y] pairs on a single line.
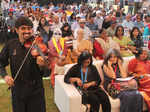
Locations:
{"points": [[57, 34]]}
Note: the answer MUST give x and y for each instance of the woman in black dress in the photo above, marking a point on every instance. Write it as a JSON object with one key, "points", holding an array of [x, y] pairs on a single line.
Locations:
{"points": [[87, 79]]}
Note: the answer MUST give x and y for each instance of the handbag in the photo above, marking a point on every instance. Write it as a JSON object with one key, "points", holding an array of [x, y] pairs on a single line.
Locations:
{"points": [[116, 86], [113, 89]]}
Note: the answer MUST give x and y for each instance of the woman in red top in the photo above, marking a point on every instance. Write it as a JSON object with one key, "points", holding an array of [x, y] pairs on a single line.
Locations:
{"points": [[139, 67], [103, 44]]}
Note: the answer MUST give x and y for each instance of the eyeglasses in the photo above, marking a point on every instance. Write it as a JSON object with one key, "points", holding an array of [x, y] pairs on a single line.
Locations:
{"points": [[57, 34]]}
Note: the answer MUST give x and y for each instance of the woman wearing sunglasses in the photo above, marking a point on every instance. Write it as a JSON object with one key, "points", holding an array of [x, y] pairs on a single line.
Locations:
{"points": [[57, 51]]}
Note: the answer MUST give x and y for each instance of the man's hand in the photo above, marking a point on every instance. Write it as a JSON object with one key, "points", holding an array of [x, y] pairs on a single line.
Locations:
{"points": [[41, 62], [9, 80]]}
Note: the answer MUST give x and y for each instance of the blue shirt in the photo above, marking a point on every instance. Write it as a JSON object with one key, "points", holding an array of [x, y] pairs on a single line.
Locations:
{"points": [[139, 24]]}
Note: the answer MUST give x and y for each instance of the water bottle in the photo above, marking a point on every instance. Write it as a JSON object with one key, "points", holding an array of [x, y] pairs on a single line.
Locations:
{"points": [[145, 40], [126, 31]]}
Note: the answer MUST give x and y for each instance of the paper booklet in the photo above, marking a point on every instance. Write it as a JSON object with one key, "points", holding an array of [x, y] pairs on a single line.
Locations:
{"points": [[125, 79]]}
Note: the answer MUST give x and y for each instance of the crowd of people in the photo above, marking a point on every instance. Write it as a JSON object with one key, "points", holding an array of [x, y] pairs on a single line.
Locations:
{"points": [[76, 33]]}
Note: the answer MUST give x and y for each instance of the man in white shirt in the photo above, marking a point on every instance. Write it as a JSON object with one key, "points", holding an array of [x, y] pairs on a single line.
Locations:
{"points": [[87, 32], [57, 24], [127, 24], [99, 19], [75, 24], [5, 7]]}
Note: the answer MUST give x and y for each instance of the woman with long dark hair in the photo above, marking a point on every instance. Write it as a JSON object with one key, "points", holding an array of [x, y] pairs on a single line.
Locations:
{"points": [[66, 31], [86, 77], [44, 30], [136, 37]]}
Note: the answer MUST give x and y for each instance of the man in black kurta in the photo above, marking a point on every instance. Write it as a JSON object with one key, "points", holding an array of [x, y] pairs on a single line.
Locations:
{"points": [[27, 90]]}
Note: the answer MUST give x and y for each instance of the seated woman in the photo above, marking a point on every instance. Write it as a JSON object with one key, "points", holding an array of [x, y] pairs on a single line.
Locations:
{"points": [[136, 38], [130, 99], [102, 44], [86, 77], [140, 68], [123, 41], [82, 44]]}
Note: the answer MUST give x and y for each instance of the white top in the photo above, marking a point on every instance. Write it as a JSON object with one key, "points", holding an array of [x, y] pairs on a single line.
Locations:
{"points": [[87, 33], [5, 5]]}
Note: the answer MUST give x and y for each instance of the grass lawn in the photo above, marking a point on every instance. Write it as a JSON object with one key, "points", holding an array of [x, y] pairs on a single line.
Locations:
{"points": [[5, 97]]}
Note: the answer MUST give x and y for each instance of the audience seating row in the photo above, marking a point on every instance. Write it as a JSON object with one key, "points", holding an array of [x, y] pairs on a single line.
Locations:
{"points": [[68, 98]]}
